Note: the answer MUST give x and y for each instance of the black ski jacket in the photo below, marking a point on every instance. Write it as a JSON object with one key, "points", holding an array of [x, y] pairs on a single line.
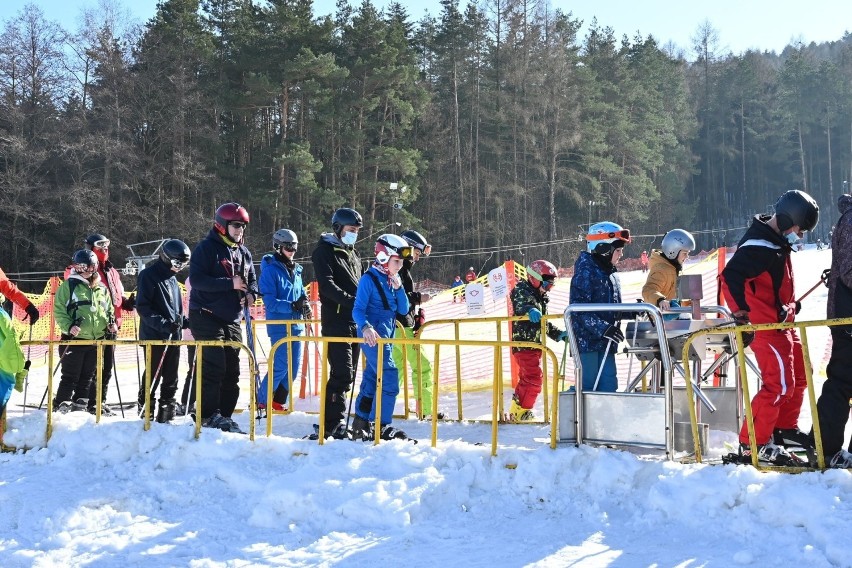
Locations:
{"points": [[337, 268]]}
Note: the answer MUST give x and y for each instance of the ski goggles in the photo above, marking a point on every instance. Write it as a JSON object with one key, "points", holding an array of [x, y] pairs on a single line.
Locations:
{"points": [[425, 251], [102, 244], [84, 268], [623, 234], [179, 265], [290, 247], [401, 252]]}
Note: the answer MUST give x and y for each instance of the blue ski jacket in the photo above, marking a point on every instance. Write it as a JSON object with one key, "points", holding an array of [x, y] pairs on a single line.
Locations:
{"points": [[378, 306], [594, 282], [280, 287]]}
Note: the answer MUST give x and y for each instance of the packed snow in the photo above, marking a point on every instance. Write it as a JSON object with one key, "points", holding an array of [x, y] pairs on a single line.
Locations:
{"points": [[112, 494]]}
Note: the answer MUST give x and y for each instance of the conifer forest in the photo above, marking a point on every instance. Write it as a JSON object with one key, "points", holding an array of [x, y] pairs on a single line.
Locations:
{"points": [[493, 128]]}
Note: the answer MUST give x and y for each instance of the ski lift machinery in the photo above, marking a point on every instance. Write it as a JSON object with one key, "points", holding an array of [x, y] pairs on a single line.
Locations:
{"points": [[136, 261]]}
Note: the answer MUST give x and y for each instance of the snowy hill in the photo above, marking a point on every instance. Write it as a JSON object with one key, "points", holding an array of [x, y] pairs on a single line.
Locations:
{"points": [[110, 494]]}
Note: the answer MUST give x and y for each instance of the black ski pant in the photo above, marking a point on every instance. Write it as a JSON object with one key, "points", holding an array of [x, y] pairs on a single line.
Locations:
{"points": [[106, 375], [220, 366], [79, 364], [834, 401], [343, 360], [168, 375]]}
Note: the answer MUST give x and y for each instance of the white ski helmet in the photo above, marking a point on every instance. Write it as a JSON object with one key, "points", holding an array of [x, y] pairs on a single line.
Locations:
{"points": [[284, 237], [390, 245], [675, 241], [604, 237]]}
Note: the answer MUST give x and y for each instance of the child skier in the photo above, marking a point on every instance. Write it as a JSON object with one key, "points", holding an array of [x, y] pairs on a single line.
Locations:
{"points": [[529, 298], [379, 299]]}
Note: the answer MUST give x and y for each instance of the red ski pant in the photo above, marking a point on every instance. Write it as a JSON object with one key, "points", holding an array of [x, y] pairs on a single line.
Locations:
{"points": [[782, 368], [529, 376]]}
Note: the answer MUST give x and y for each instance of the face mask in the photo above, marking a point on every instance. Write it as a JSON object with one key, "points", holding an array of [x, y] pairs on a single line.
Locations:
{"points": [[791, 237], [349, 238], [101, 254]]}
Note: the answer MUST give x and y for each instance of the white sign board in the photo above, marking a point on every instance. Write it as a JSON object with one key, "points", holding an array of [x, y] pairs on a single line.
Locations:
{"points": [[474, 294], [498, 281]]}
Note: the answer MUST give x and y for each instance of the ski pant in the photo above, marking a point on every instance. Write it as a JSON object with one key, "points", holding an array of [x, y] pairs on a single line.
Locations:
{"points": [[529, 376], [79, 365], [782, 370], [280, 370], [168, 374], [421, 369], [365, 404], [106, 375], [220, 366], [343, 360], [834, 401], [591, 363]]}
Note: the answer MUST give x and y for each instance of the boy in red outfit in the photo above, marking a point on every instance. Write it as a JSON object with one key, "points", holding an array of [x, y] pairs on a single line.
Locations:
{"points": [[529, 298]]}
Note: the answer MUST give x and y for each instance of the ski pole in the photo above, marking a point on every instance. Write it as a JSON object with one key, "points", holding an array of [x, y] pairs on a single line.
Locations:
{"points": [[250, 341], [138, 366], [117, 387], [603, 362], [156, 381], [27, 380], [822, 280], [58, 363]]}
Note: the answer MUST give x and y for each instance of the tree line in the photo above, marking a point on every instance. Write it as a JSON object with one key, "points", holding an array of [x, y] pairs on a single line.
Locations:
{"points": [[492, 128]]}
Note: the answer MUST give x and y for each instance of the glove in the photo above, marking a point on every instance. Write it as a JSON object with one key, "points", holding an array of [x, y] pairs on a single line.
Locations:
{"points": [[184, 322], [419, 319], [563, 336], [306, 311], [787, 312], [741, 317], [298, 305], [798, 307], [176, 326], [129, 304], [613, 333], [534, 315], [32, 313], [21, 377]]}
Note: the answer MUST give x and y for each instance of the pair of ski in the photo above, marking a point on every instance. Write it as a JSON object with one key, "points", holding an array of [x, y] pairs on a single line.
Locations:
{"points": [[400, 435]]}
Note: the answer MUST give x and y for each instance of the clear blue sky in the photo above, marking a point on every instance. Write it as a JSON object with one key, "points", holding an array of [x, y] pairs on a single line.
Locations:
{"points": [[742, 24]]}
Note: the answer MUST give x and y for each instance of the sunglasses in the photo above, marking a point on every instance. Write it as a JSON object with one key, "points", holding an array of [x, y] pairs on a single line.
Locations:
{"points": [[102, 244], [290, 247], [237, 224]]}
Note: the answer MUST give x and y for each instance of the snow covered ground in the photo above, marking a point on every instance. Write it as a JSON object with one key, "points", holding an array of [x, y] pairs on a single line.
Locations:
{"points": [[111, 494]]}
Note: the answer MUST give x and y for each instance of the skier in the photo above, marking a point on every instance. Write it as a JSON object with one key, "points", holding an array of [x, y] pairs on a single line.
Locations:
{"points": [[111, 279], [285, 299], [758, 287], [337, 268], [666, 265], [599, 333], [161, 316], [457, 287], [529, 298], [13, 370], [421, 368], [223, 281], [8, 289], [471, 275], [644, 260], [380, 298], [83, 309], [833, 403]]}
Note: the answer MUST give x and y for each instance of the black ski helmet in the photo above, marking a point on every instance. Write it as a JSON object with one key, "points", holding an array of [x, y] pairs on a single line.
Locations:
{"points": [[796, 207], [84, 258], [418, 241], [345, 216], [96, 240], [175, 254]]}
